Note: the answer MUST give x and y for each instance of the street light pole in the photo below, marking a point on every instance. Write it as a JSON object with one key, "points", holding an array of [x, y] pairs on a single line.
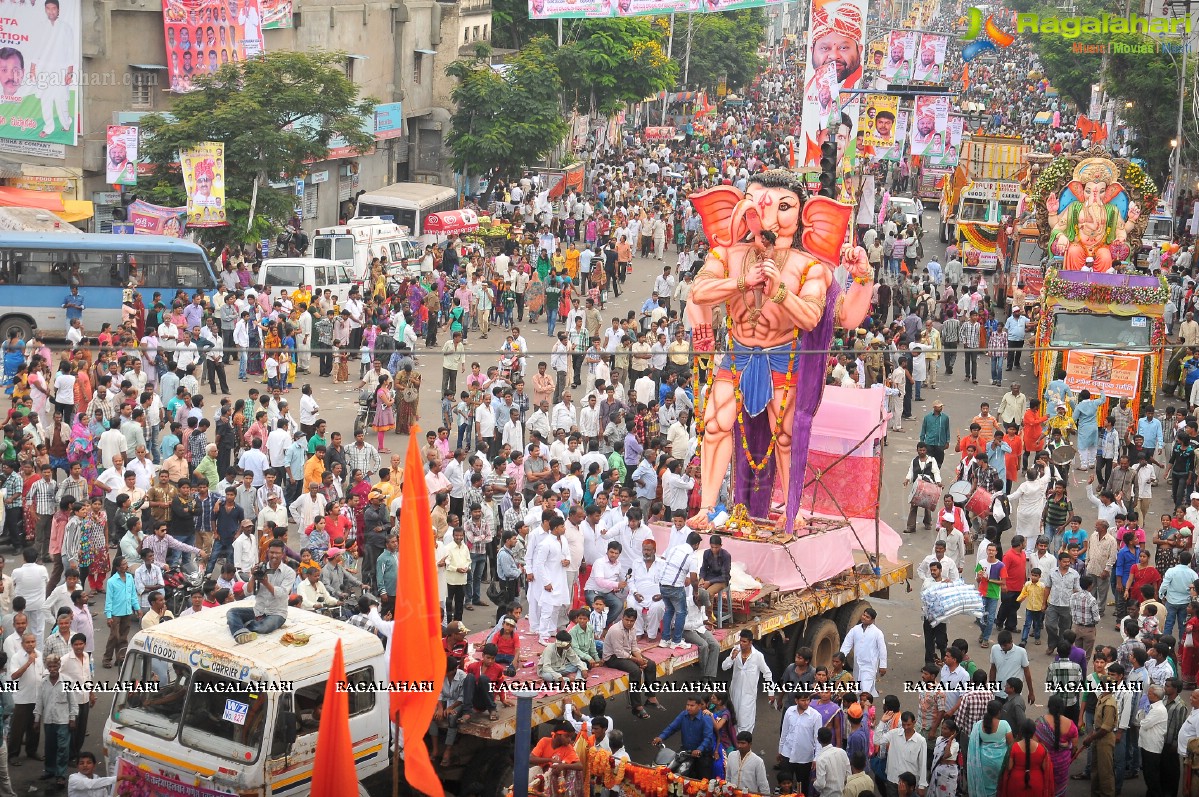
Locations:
{"points": [[1177, 171]]}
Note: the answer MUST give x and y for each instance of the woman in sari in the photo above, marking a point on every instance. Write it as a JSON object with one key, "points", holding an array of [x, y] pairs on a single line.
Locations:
{"points": [[254, 331], [14, 356], [829, 711], [385, 413], [39, 389], [1190, 647], [1059, 735], [990, 740], [139, 316], [1029, 770], [407, 397], [94, 545], [721, 711], [943, 782]]}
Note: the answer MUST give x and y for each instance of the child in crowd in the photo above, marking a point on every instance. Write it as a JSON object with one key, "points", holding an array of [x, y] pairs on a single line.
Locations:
{"points": [[1033, 595]]}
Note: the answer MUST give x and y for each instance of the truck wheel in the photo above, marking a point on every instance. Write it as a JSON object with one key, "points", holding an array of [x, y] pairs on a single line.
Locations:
{"points": [[19, 324], [824, 640], [491, 766], [847, 616]]}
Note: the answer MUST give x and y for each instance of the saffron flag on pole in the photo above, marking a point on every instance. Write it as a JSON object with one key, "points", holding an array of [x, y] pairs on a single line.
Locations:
{"points": [[333, 770], [416, 652]]}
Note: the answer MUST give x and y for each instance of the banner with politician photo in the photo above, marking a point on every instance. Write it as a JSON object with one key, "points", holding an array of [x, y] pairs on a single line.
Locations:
{"points": [[276, 14], [120, 163], [40, 66], [569, 9], [836, 39], [901, 51], [204, 35], [930, 122], [953, 144], [930, 58], [879, 112], [894, 153], [204, 181]]}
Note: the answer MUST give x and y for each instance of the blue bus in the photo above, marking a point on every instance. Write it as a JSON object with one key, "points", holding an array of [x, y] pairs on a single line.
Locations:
{"points": [[37, 270]]}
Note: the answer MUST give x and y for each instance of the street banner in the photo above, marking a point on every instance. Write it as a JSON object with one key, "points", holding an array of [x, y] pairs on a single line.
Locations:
{"points": [[953, 144], [836, 39], [633, 8], [40, 66], [894, 152], [120, 165], [1116, 375], [930, 123], [569, 9], [930, 60], [276, 14], [879, 114], [148, 219], [901, 52], [204, 181], [203, 35], [582, 9]]}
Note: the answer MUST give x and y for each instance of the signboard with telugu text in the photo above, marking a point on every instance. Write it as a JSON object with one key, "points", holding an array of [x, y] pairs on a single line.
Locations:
{"points": [[1118, 375]]}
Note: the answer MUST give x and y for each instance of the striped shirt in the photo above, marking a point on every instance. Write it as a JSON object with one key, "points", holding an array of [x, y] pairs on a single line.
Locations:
{"points": [[969, 334], [951, 330], [1065, 673], [1084, 609], [1058, 512], [41, 497], [14, 487]]}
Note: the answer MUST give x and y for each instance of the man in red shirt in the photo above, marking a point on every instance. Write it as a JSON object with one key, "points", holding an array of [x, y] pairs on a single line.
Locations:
{"points": [[482, 676], [553, 754], [1014, 563]]}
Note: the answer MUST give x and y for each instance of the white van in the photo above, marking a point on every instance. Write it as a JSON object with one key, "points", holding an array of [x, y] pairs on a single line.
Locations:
{"points": [[205, 732], [291, 273], [355, 243], [407, 204]]}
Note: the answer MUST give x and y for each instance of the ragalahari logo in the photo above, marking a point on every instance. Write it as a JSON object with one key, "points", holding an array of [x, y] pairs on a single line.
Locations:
{"points": [[992, 35]]}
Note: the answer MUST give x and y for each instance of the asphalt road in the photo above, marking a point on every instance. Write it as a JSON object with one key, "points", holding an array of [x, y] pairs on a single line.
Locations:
{"points": [[898, 617]]}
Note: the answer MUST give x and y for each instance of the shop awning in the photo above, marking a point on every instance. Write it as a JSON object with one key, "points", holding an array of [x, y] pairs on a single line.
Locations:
{"points": [[451, 222], [77, 210], [24, 198]]}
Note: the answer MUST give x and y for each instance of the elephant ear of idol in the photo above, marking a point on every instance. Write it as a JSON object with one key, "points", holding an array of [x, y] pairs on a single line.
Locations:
{"points": [[824, 222], [715, 209]]}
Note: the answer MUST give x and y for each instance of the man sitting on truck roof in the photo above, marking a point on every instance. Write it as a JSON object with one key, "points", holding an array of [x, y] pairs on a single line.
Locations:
{"points": [[270, 584]]}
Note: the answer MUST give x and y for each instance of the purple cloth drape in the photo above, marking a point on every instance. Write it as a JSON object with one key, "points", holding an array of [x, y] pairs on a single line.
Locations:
{"points": [[754, 488]]}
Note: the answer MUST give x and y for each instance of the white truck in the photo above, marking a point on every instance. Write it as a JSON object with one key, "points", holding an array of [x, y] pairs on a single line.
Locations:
{"points": [[222, 720], [355, 243]]}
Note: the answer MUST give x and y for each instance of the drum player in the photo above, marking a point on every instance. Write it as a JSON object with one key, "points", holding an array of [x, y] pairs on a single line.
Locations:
{"points": [[925, 479]]}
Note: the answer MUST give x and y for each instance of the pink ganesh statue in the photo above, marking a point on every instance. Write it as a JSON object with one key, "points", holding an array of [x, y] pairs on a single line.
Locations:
{"points": [[774, 250]]}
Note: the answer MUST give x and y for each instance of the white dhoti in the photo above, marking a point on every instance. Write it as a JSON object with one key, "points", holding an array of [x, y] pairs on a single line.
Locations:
{"points": [[649, 616]]}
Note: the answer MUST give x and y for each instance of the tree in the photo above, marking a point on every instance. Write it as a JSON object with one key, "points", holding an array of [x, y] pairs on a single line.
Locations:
{"points": [[610, 62], [511, 27], [274, 114], [724, 44], [505, 121]]}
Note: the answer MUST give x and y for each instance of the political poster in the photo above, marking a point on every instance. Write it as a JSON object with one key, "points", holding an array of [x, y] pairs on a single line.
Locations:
{"points": [[930, 59], [633, 8], [953, 144], [836, 39], [204, 181], [569, 9], [1117, 375], [930, 124], [120, 163], [204, 35], [879, 114], [276, 14], [148, 219], [901, 52], [894, 152], [40, 67]]}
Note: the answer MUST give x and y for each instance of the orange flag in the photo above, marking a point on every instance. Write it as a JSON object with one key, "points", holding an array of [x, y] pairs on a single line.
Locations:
{"points": [[416, 652], [333, 770]]}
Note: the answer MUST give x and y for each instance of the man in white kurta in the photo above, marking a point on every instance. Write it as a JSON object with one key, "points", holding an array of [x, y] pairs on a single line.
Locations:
{"points": [[1029, 500], [56, 67], [644, 594], [304, 342], [869, 648], [748, 666], [538, 534], [549, 565]]}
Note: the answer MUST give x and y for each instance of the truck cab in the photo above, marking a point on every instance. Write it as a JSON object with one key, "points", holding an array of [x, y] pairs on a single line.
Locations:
{"points": [[218, 718], [357, 242]]}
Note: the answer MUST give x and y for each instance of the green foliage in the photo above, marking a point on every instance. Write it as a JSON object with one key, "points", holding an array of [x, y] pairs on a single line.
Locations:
{"points": [[609, 62], [510, 120], [722, 44], [511, 27], [253, 108]]}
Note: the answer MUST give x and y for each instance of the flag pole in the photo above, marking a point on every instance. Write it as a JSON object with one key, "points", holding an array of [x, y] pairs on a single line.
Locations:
{"points": [[395, 755]]}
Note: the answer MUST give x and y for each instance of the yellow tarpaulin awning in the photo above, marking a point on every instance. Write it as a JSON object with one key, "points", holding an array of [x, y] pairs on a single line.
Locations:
{"points": [[77, 210]]}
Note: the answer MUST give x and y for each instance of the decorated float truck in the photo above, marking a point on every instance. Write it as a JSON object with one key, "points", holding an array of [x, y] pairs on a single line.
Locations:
{"points": [[1102, 328], [983, 190]]}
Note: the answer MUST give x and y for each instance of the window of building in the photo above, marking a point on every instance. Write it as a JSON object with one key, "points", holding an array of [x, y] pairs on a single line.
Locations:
{"points": [[474, 33], [484, 31], [417, 67], [141, 88], [310, 201], [350, 69], [466, 35]]}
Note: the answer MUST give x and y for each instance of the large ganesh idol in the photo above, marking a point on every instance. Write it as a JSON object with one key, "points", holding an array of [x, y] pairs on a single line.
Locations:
{"points": [[1094, 219], [773, 253]]}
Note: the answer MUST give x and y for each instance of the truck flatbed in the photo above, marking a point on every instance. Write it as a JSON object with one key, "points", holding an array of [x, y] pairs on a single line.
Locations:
{"points": [[791, 607]]}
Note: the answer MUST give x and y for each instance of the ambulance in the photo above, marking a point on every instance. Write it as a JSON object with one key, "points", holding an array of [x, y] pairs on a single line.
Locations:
{"points": [[361, 239], [210, 718]]}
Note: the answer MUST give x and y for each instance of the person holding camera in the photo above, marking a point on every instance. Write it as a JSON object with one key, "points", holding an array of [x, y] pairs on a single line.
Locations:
{"points": [[270, 584], [312, 592]]}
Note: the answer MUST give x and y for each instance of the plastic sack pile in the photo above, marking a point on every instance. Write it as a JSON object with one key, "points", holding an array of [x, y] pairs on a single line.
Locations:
{"points": [[941, 601]]}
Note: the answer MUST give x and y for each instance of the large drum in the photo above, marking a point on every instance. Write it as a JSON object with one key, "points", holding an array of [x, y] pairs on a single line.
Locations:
{"points": [[925, 495], [980, 502], [960, 491]]}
